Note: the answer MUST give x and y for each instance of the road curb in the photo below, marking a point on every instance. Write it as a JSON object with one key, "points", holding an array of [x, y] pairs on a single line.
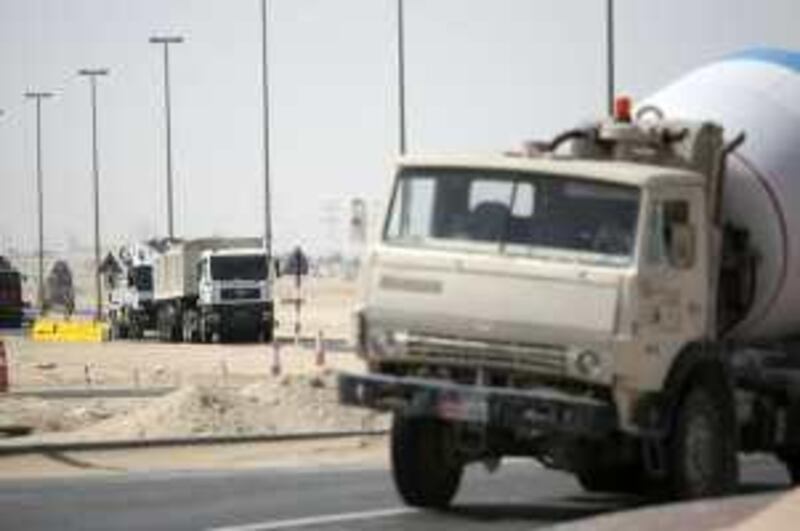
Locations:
{"points": [[90, 392], [8, 449]]}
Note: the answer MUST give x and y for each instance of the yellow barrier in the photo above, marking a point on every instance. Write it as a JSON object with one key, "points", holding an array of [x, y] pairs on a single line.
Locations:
{"points": [[58, 330]]}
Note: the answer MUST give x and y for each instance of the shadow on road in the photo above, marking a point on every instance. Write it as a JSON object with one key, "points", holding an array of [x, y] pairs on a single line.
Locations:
{"points": [[555, 512], [584, 505]]}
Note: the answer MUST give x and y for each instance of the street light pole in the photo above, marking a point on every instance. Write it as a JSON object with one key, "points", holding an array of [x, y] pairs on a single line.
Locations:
{"points": [[265, 108], [38, 97], [610, 54], [405, 214], [166, 41], [401, 77], [93, 75]]}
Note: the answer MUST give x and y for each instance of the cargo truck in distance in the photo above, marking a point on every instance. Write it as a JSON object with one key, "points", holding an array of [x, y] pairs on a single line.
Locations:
{"points": [[214, 289], [621, 303], [130, 281]]}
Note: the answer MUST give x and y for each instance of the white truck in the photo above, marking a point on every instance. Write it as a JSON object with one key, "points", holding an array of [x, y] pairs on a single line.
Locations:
{"points": [[130, 306], [213, 289], [622, 303]]}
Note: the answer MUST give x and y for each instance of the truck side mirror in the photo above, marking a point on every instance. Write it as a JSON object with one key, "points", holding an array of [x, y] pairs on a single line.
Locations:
{"points": [[682, 244]]}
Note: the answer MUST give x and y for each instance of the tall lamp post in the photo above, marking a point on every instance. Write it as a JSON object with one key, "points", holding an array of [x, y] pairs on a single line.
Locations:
{"points": [[165, 41], [38, 97], [265, 109], [405, 215], [401, 78], [93, 74], [610, 54]]}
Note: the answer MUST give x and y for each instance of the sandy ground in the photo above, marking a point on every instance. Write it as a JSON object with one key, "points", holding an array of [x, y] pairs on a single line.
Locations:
{"points": [[225, 389], [149, 363], [327, 308]]}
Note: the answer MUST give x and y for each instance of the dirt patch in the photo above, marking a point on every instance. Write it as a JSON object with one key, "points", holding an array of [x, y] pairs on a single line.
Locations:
{"points": [[290, 404], [45, 416], [224, 389]]}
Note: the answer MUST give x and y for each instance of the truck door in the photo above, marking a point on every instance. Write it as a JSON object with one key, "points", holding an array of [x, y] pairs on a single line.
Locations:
{"points": [[673, 290]]}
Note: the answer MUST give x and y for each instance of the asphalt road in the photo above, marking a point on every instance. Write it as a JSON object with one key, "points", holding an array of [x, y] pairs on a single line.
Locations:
{"points": [[519, 496]]}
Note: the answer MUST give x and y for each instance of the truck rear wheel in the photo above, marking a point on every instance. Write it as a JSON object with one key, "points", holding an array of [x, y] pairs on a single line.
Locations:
{"points": [[425, 466], [702, 448], [168, 329], [621, 479], [190, 327], [791, 460], [118, 330]]}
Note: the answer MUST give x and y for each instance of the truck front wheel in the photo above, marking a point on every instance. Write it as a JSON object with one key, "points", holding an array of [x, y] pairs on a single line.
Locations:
{"points": [[702, 447], [425, 465]]}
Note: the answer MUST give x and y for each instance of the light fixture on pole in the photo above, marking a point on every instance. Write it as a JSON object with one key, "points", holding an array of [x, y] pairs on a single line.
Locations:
{"points": [[93, 74], [38, 97], [165, 41]]}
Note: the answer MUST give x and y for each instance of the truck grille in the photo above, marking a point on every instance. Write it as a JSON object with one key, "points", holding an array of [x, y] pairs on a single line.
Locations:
{"points": [[535, 358], [227, 294]]}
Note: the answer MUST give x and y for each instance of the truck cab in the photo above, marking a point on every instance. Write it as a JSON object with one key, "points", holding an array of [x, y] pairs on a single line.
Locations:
{"points": [[233, 292], [550, 271], [130, 292]]}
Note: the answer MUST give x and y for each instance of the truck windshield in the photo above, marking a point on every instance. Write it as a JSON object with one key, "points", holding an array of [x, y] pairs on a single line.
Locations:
{"points": [[548, 216], [143, 278], [253, 267]]}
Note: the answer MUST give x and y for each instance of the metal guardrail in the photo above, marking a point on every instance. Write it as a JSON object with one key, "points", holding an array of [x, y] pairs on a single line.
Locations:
{"points": [[90, 392], [17, 448]]}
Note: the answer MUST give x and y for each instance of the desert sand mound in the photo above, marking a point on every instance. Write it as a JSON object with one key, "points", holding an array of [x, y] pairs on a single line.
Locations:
{"points": [[289, 404], [54, 416]]}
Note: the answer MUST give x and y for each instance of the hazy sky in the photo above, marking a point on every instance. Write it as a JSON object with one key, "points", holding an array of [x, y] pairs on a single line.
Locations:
{"points": [[482, 75]]}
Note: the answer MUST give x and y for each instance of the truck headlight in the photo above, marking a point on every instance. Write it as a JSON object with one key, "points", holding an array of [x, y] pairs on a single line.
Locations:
{"points": [[589, 364], [390, 343]]}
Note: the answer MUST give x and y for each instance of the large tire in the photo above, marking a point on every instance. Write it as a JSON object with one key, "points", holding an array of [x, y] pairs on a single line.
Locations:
{"points": [[119, 327], [190, 327], [621, 479], [168, 329], [205, 332], [136, 331], [702, 448], [425, 466], [268, 332], [792, 463]]}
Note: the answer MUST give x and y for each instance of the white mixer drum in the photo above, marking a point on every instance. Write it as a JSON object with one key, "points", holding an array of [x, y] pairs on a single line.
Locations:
{"points": [[758, 92]]}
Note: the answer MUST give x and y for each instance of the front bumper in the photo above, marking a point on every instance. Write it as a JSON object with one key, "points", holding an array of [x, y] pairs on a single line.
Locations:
{"points": [[526, 412], [242, 312]]}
